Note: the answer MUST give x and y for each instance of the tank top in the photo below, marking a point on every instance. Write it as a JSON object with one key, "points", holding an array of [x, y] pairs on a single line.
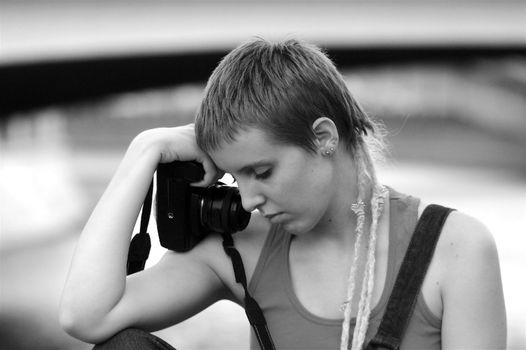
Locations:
{"points": [[292, 326]]}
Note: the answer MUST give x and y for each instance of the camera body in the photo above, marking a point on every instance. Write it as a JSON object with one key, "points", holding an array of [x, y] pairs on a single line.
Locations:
{"points": [[186, 214]]}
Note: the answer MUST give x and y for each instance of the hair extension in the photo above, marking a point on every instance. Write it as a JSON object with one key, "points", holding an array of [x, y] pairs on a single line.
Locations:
{"points": [[366, 177], [368, 280], [377, 201], [363, 303], [359, 209]]}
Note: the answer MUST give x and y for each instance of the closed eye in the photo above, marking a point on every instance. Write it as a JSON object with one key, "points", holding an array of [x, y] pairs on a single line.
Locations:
{"points": [[264, 175]]}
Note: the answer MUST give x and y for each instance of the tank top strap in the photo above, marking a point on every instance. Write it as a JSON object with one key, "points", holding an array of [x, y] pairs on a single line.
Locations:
{"points": [[403, 216]]}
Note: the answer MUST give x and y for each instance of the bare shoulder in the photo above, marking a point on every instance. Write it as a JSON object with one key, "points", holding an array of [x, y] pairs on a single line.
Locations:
{"points": [[469, 257], [466, 269], [466, 240]]}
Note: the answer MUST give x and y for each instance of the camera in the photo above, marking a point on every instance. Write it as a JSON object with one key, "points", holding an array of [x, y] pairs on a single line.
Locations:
{"points": [[186, 214]]}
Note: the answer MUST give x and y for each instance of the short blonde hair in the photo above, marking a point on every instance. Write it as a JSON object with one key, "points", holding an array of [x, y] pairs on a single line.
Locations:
{"points": [[280, 88]]}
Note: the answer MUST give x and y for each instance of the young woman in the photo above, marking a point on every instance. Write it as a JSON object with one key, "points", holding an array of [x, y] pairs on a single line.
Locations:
{"points": [[324, 243]]}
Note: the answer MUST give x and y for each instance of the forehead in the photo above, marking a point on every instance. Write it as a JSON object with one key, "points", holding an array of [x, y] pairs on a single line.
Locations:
{"points": [[249, 146]]}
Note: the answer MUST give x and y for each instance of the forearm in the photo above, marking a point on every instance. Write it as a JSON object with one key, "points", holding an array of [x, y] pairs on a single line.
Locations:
{"points": [[97, 277]]}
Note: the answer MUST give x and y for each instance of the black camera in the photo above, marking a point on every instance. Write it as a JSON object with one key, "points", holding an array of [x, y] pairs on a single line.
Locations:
{"points": [[186, 214]]}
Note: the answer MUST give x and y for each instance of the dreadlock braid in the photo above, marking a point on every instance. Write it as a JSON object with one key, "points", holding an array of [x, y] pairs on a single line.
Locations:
{"points": [[362, 323], [367, 182], [359, 209]]}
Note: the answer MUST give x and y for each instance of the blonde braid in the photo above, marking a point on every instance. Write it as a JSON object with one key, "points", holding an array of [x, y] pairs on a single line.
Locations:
{"points": [[366, 176], [368, 281], [359, 209], [377, 201]]}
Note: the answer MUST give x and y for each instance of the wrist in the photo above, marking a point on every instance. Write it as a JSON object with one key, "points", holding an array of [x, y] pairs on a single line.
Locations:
{"points": [[144, 146]]}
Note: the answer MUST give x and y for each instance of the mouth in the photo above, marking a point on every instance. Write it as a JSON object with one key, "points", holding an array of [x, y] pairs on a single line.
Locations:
{"points": [[272, 217]]}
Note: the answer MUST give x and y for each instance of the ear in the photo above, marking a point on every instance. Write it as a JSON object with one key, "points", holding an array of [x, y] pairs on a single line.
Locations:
{"points": [[326, 134]]}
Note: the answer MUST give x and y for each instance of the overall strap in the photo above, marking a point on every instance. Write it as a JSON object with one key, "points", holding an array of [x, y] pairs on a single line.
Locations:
{"points": [[410, 278], [254, 314]]}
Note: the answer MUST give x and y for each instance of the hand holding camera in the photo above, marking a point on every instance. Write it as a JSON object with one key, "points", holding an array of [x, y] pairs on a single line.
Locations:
{"points": [[177, 144], [186, 214], [187, 211]]}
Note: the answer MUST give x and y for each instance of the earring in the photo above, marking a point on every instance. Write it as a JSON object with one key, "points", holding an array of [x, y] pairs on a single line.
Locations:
{"points": [[328, 152]]}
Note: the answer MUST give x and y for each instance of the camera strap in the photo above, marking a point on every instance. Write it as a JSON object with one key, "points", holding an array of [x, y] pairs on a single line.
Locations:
{"points": [[140, 245], [254, 314], [140, 249]]}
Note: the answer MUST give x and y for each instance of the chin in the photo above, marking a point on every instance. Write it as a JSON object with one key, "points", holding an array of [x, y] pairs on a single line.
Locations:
{"points": [[296, 228]]}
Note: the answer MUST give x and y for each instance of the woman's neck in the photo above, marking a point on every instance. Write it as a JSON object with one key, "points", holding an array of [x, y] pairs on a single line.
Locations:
{"points": [[339, 222]]}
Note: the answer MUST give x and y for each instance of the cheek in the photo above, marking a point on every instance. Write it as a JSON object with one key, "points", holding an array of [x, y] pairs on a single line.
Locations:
{"points": [[308, 189], [320, 192]]}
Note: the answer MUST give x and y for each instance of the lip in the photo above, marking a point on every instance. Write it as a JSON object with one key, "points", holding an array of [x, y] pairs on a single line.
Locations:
{"points": [[273, 217]]}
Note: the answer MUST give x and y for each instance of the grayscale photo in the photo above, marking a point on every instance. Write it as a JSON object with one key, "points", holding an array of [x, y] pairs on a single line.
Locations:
{"points": [[270, 175]]}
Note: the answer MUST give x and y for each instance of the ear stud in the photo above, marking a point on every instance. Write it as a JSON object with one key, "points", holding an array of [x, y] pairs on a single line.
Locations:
{"points": [[329, 152]]}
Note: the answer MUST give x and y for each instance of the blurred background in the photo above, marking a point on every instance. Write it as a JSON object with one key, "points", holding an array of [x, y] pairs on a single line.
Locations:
{"points": [[79, 79]]}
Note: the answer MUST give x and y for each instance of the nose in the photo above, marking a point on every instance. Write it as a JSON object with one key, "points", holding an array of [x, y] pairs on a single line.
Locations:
{"points": [[251, 196]]}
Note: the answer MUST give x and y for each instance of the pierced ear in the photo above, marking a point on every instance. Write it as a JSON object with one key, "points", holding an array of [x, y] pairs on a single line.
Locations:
{"points": [[326, 133]]}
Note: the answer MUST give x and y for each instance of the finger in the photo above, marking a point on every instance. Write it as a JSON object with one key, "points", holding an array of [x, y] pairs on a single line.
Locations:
{"points": [[211, 172]]}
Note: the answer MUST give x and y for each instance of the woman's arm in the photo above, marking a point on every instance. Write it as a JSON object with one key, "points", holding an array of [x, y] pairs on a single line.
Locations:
{"points": [[98, 300], [474, 314]]}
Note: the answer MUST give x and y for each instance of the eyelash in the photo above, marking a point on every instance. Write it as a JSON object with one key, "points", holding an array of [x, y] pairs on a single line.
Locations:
{"points": [[261, 176], [264, 175]]}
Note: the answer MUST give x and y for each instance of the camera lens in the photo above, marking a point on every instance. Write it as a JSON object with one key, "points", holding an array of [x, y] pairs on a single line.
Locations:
{"points": [[221, 209]]}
